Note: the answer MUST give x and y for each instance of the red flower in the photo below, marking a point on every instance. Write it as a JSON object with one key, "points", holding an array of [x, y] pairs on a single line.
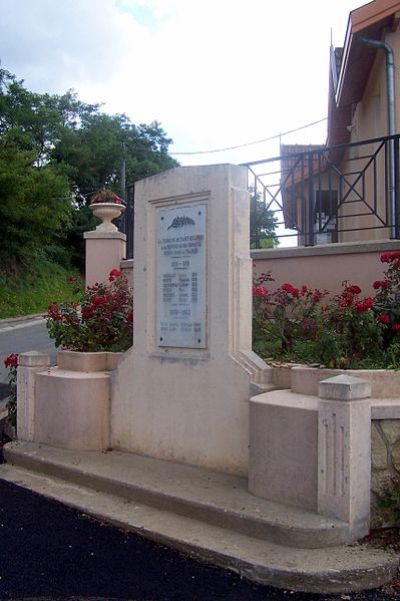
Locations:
{"points": [[390, 257], [353, 289], [368, 302], [11, 360], [53, 312], [396, 327], [99, 300], [346, 299], [87, 312], [365, 304], [130, 316], [260, 291], [317, 295], [380, 284], [290, 290], [114, 273], [384, 318]]}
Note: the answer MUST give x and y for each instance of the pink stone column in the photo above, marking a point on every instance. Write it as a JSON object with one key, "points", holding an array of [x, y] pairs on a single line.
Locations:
{"points": [[30, 364], [104, 252]]}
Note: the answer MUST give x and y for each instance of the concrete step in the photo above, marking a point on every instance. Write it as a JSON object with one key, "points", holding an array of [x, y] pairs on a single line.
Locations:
{"points": [[204, 513], [329, 570], [259, 388], [212, 497]]}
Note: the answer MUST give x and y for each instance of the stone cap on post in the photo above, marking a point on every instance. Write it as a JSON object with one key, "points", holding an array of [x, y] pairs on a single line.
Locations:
{"points": [[344, 388], [102, 235], [33, 359]]}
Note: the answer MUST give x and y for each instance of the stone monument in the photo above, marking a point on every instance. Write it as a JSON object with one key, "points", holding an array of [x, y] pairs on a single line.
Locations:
{"points": [[182, 391]]}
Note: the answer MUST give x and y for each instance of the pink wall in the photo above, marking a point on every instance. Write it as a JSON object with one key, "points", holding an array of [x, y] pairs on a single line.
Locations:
{"points": [[325, 266]]}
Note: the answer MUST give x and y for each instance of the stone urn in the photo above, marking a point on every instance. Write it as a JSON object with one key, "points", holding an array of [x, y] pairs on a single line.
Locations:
{"points": [[107, 211]]}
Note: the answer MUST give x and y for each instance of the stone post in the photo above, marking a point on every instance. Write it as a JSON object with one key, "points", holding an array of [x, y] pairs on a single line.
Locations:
{"points": [[104, 252], [29, 364], [344, 452]]}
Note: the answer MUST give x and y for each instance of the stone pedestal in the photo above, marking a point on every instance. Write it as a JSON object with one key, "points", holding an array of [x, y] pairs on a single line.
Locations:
{"points": [[72, 409], [344, 452], [182, 392], [284, 448], [104, 252], [29, 364]]}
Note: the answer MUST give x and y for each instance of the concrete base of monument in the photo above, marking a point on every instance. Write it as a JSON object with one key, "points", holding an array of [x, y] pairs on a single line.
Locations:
{"points": [[72, 409], [207, 514]]}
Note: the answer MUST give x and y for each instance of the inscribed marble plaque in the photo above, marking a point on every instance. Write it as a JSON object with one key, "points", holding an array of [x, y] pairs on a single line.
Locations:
{"points": [[181, 276]]}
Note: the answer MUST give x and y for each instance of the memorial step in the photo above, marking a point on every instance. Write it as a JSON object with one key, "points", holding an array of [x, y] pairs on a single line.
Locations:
{"points": [[212, 497], [331, 569]]}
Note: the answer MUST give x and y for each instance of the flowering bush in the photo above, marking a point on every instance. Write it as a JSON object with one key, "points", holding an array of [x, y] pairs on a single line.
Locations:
{"points": [[283, 317], [347, 327], [105, 195], [103, 321], [350, 331], [11, 363]]}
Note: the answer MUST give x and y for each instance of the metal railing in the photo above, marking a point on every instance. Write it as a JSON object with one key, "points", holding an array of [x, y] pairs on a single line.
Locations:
{"points": [[327, 194], [322, 195]]}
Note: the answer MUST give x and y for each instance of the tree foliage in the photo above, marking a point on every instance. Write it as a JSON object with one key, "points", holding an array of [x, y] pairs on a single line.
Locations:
{"points": [[263, 223], [55, 151]]}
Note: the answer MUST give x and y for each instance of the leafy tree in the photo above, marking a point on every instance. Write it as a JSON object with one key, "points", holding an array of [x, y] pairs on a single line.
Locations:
{"points": [[55, 151], [35, 207], [263, 223], [93, 153]]}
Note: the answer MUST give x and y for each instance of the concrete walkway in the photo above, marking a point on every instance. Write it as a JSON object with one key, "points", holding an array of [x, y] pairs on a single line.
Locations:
{"points": [[204, 513]]}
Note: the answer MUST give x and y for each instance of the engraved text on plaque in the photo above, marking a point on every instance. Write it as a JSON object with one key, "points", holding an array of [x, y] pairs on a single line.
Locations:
{"points": [[181, 267]]}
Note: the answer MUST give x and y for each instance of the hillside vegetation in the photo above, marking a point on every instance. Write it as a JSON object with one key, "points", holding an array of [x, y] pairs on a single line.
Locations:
{"points": [[55, 153], [32, 291]]}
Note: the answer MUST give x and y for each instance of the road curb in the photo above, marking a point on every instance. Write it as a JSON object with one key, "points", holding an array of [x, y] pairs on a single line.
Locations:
{"points": [[20, 322]]}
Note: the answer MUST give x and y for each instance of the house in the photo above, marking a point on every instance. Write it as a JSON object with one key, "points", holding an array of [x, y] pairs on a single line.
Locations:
{"points": [[353, 191]]}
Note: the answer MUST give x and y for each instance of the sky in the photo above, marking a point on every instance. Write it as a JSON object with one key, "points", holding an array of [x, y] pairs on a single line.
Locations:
{"points": [[214, 73]]}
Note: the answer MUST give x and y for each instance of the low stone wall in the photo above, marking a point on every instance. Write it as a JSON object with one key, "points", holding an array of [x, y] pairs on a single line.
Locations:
{"points": [[385, 451]]}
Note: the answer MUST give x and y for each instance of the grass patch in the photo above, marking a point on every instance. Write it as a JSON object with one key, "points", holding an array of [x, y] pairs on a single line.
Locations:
{"points": [[32, 291]]}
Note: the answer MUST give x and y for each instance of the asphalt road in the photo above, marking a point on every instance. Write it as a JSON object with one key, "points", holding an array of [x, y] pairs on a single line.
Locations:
{"points": [[51, 552], [19, 337]]}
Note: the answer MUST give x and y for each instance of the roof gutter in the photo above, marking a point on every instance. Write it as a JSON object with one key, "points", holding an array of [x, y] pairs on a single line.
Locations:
{"points": [[389, 80], [391, 125]]}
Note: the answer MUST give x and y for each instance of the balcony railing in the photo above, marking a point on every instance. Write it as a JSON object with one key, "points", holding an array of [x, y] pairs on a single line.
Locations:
{"points": [[328, 194], [323, 195]]}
